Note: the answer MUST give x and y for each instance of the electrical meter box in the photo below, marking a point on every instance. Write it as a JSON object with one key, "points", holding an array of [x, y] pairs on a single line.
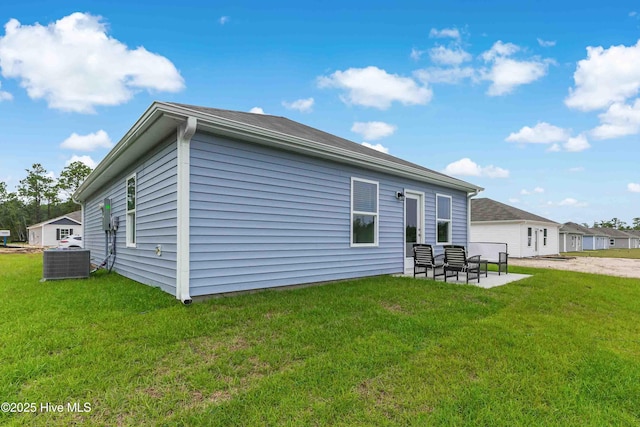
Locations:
{"points": [[106, 215]]}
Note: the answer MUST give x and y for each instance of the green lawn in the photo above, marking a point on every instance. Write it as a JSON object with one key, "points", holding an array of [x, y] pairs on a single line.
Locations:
{"points": [[557, 349], [607, 253]]}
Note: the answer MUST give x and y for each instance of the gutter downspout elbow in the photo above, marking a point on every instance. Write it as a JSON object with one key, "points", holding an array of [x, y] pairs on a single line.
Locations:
{"points": [[185, 132]]}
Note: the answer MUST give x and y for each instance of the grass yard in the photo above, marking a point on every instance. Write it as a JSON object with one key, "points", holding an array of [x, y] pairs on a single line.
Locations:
{"points": [[607, 253], [557, 349]]}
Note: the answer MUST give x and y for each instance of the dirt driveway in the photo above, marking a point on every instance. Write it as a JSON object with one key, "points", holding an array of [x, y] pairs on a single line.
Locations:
{"points": [[610, 266]]}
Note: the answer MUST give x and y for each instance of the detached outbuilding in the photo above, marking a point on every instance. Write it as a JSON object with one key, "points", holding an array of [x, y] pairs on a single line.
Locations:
{"points": [[211, 201], [594, 239], [635, 238], [50, 232], [526, 234], [571, 237], [618, 238]]}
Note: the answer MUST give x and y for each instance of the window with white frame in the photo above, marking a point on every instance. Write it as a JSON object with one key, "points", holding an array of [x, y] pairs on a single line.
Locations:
{"points": [[443, 219], [364, 212], [131, 210], [544, 237], [63, 233], [529, 234]]}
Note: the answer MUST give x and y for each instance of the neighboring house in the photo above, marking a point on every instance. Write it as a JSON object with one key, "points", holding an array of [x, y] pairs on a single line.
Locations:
{"points": [[594, 239], [571, 237], [526, 234], [50, 232], [635, 238], [619, 238], [211, 201]]}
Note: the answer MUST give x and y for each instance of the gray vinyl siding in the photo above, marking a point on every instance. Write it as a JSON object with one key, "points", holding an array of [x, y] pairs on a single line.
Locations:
{"points": [[574, 242], [156, 211], [621, 242], [261, 217]]}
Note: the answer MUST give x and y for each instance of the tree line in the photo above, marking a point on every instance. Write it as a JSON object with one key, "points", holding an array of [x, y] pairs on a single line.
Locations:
{"points": [[39, 197], [617, 224]]}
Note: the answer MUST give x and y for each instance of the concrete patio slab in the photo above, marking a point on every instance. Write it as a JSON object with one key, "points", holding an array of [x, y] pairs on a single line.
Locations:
{"points": [[491, 281]]}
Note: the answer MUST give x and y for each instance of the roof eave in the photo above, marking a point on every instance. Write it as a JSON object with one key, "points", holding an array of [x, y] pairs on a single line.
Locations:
{"points": [[514, 221], [166, 117]]}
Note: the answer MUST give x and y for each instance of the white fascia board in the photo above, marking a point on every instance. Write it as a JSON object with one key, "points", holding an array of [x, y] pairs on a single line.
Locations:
{"points": [[243, 131], [104, 171], [514, 221], [161, 119]]}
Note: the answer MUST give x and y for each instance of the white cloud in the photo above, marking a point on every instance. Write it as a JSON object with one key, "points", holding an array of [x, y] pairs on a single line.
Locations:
{"points": [[84, 159], [633, 13], [467, 167], [446, 56], [619, 120], [223, 20], [302, 105], [633, 187], [569, 201], [451, 33], [538, 190], [546, 43], [373, 87], [75, 66], [256, 110], [416, 54], [554, 148], [514, 200], [541, 133], [5, 96], [605, 77], [499, 49], [88, 142], [495, 172], [445, 75], [373, 130], [506, 74], [576, 144], [377, 147]]}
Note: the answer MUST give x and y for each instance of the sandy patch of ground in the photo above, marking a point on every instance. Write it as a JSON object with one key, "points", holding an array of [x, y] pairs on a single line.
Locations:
{"points": [[610, 266], [19, 249]]}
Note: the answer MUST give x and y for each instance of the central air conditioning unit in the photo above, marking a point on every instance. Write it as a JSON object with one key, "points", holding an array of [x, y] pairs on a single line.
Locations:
{"points": [[66, 264]]}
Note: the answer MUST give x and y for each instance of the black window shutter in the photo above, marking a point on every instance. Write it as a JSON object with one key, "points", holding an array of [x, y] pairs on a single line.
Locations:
{"points": [[57, 234]]}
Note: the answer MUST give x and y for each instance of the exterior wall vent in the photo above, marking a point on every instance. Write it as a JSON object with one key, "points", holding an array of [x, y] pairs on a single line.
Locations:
{"points": [[66, 264]]}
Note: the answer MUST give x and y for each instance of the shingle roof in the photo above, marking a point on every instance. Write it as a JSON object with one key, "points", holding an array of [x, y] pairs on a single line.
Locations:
{"points": [[490, 210], [289, 127], [76, 216], [597, 232], [573, 228], [612, 232]]}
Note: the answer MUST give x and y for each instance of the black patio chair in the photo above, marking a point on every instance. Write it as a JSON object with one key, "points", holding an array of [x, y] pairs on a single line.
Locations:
{"points": [[456, 261], [423, 258]]}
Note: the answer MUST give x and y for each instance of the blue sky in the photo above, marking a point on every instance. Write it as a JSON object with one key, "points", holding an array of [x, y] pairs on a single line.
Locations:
{"points": [[537, 102]]}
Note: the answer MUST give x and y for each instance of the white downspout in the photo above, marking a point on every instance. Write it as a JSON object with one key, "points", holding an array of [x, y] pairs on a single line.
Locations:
{"points": [[469, 196], [185, 132]]}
